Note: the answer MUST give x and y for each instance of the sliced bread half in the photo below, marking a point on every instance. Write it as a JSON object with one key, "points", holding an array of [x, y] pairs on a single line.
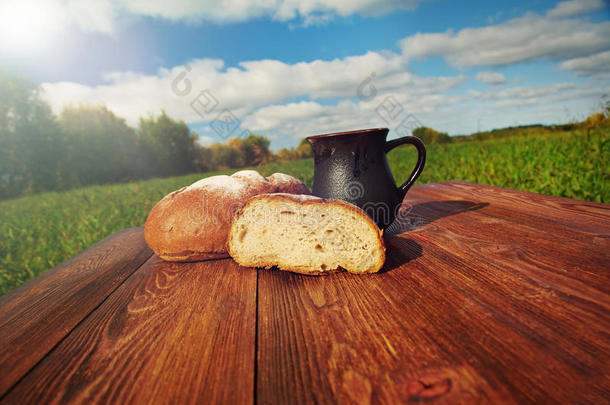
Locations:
{"points": [[305, 234]]}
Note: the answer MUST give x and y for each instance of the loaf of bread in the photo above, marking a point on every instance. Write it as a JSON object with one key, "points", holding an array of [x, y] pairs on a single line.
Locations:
{"points": [[305, 234], [193, 223]]}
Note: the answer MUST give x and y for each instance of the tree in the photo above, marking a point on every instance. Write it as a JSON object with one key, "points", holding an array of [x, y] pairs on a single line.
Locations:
{"points": [[430, 136], [304, 150], [256, 150], [238, 158], [284, 155], [169, 146], [224, 156], [30, 141], [101, 147], [204, 159]]}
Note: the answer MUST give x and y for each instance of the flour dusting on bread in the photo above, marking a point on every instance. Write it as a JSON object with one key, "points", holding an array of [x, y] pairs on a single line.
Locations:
{"points": [[227, 184], [193, 223], [251, 175]]}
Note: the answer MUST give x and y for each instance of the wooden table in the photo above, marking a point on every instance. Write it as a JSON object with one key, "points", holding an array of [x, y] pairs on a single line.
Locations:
{"points": [[487, 296]]}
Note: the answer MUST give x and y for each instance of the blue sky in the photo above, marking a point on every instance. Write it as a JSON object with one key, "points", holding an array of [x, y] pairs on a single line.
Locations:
{"points": [[290, 69]]}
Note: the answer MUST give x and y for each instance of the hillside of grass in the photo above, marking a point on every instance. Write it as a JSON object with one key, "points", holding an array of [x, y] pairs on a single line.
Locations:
{"points": [[40, 231]]}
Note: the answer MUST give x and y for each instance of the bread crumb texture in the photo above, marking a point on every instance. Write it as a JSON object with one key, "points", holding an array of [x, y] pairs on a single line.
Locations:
{"points": [[305, 234]]}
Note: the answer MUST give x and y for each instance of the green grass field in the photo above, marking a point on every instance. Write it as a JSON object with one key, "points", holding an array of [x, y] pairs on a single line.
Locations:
{"points": [[40, 231]]}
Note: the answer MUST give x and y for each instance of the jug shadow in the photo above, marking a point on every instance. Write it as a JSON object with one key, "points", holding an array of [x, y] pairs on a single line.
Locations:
{"points": [[401, 250], [411, 217]]}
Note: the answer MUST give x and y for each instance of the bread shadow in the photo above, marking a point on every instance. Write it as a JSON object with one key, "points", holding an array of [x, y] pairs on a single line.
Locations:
{"points": [[411, 217], [400, 251]]}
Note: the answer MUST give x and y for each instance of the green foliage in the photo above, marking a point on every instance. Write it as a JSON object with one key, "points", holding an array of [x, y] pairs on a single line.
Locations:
{"points": [[521, 130], [251, 151], [31, 144], [41, 231], [573, 164], [99, 146], [431, 136], [256, 150], [302, 151], [169, 146], [224, 156]]}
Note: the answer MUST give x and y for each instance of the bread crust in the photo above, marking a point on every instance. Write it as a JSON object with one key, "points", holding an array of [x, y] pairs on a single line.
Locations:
{"points": [[288, 184], [192, 223], [305, 200]]}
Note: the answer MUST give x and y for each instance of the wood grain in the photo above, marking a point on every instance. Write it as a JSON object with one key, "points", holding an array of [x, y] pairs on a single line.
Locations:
{"points": [[582, 216], [511, 210], [559, 256], [37, 315], [475, 306], [173, 333]]}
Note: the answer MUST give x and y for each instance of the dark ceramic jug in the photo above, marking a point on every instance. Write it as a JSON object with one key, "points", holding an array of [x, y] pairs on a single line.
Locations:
{"points": [[352, 166]]}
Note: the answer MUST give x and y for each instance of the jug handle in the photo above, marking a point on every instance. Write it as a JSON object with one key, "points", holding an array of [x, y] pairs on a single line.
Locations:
{"points": [[421, 159]]}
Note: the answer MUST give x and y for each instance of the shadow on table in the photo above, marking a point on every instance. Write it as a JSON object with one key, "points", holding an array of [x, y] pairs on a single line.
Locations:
{"points": [[411, 217], [401, 250]]}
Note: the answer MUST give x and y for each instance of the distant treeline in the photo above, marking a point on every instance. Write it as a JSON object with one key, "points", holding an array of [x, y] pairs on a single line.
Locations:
{"points": [[90, 145], [597, 120], [520, 130]]}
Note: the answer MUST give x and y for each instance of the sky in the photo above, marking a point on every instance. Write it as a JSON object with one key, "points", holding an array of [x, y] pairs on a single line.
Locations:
{"points": [[288, 69]]}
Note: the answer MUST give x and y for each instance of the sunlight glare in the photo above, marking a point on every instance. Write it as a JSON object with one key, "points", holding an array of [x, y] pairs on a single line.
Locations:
{"points": [[28, 25]]}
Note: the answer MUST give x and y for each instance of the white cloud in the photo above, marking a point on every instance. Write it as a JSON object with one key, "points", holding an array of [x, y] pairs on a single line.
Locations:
{"points": [[299, 120], [521, 39], [491, 78], [575, 7], [92, 15], [310, 11], [539, 97], [302, 119], [27, 24], [275, 116], [205, 140], [523, 93], [241, 89], [259, 93], [597, 65], [103, 15]]}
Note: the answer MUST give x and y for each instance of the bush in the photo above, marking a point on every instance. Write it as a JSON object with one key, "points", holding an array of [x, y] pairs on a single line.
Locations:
{"points": [[302, 151], [431, 136]]}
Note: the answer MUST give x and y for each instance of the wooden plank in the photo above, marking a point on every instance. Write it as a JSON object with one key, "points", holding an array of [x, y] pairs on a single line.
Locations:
{"points": [[453, 318], [37, 315], [584, 257], [553, 334], [365, 339], [507, 209], [444, 203], [173, 333], [583, 216]]}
